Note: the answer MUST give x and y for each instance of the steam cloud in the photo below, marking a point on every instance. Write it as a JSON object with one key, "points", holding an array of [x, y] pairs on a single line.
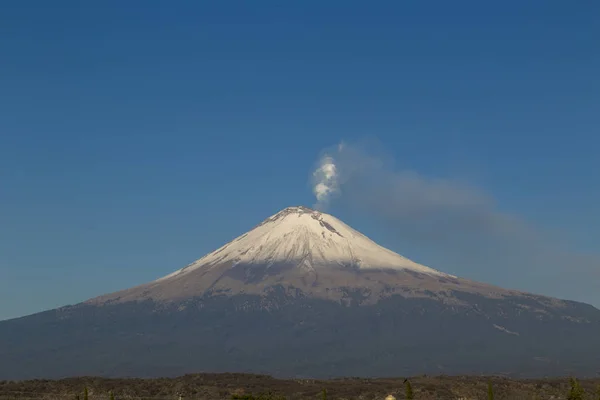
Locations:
{"points": [[325, 180], [431, 207], [452, 222]]}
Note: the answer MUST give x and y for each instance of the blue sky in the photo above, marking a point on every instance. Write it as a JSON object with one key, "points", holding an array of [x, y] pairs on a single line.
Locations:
{"points": [[135, 138]]}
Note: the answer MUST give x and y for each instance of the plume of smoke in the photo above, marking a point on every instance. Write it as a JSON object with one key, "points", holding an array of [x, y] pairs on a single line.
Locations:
{"points": [[325, 181], [455, 222], [430, 207], [337, 167]]}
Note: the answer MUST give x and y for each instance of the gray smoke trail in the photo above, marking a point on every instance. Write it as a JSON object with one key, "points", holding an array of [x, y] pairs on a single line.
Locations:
{"points": [[452, 222]]}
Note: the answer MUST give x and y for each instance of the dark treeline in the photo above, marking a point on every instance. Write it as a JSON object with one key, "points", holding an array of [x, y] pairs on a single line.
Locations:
{"points": [[260, 387]]}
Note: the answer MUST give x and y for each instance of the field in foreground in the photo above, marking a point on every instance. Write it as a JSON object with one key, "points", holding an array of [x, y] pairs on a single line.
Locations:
{"points": [[227, 386]]}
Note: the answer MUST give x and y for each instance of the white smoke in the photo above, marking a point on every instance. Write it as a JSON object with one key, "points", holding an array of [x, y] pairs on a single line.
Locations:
{"points": [[325, 181]]}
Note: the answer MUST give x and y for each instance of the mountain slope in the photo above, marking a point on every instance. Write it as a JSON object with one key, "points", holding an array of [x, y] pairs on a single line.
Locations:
{"points": [[299, 248], [303, 294]]}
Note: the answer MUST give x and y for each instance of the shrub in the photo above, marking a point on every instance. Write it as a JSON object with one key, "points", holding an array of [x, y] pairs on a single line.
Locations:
{"points": [[408, 391], [490, 391], [576, 392]]}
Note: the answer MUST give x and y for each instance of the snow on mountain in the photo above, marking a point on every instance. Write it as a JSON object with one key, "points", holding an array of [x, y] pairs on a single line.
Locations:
{"points": [[308, 239], [307, 252]]}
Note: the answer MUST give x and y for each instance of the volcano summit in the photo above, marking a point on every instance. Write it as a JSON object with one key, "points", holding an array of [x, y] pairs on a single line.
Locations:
{"points": [[297, 248], [303, 294]]}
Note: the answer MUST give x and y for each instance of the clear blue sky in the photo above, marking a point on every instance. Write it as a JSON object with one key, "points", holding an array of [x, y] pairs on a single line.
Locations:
{"points": [[137, 136]]}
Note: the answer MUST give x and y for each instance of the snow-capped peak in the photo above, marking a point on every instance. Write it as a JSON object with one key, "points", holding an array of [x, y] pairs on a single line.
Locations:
{"points": [[308, 239]]}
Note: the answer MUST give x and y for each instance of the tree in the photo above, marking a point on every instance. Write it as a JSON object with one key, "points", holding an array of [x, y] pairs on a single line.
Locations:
{"points": [[85, 393], [490, 391], [408, 390], [598, 392], [111, 395], [576, 392], [324, 394]]}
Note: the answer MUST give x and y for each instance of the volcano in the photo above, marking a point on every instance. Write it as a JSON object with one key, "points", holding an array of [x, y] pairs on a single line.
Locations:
{"points": [[303, 294]]}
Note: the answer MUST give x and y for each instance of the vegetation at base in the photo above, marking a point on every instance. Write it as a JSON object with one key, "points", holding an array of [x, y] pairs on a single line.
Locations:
{"points": [[260, 387], [408, 392], [576, 392], [490, 393], [266, 396]]}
